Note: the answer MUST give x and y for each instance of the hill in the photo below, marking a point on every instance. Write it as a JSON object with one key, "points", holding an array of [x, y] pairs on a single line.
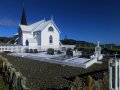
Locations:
{"points": [[6, 39], [78, 43], [85, 44]]}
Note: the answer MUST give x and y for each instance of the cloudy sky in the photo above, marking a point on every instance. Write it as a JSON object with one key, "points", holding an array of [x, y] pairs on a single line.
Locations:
{"points": [[89, 20]]}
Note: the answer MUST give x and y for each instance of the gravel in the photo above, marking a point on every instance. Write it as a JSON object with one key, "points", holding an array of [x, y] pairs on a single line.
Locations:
{"points": [[42, 75]]}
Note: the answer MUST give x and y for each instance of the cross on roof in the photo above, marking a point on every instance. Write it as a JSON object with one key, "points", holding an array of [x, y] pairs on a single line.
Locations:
{"points": [[98, 43]]}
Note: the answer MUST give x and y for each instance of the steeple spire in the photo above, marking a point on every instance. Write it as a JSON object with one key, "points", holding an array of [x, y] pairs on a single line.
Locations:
{"points": [[23, 19]]}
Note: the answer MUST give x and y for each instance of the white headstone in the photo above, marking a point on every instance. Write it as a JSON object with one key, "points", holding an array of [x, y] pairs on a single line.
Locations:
{"points": [[98, 50]]}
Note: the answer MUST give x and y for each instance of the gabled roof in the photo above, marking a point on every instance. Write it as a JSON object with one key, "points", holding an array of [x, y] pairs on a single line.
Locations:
{"points": [[34, 25], [26, 28], [41, 26], [38, 26], [44, 24]]}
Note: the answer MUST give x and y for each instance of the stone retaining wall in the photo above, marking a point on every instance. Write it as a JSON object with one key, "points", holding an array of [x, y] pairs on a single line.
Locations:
{"points": [[12, 78]]}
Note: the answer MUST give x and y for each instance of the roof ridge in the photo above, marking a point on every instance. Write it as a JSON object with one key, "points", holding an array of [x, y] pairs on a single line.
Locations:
{"points": [[44, 23], [35, 25], [38, 22]]}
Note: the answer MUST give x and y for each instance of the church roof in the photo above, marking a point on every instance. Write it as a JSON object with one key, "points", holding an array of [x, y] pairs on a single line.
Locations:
{"points": [[26, 28], [37, 23], [38, 26], [42, 26]]}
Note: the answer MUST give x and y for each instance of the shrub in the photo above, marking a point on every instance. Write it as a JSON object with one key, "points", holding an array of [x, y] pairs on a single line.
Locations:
{"points": [[80, 49], [59, 52], [69, 52], [35, 51], [75, 48], [27, 50], [50, 51], [31, 50]]}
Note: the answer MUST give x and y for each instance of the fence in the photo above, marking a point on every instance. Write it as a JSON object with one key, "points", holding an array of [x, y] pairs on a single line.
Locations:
{"points": [[9, 48], [114, 74], [97, 80], [18, 48], [13, 79]]}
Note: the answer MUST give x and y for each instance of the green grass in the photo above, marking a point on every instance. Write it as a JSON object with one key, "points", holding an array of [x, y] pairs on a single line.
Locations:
{"points": [[89, 48], [93, 48], [115, 49]]}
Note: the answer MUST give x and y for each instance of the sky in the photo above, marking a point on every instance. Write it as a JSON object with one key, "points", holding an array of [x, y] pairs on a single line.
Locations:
{"points": [[85, 20]]}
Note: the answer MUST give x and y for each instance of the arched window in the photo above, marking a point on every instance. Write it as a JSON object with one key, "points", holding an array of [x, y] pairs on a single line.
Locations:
{"points": [[50, 39], [50, 29]]}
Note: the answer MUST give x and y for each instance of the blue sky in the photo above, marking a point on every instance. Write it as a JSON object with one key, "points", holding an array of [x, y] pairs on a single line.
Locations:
{"points": [[89, 20]]}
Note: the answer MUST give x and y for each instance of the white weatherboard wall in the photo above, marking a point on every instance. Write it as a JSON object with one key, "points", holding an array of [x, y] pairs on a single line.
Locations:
{"points": [[33, 46], [38, 37], [26, 36], [45, 34], [40, 32]]}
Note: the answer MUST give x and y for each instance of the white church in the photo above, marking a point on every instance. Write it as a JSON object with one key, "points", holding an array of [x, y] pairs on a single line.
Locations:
{"points": [[42, 33]]}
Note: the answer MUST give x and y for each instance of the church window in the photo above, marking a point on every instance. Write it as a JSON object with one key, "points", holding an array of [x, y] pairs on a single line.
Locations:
{"points": [[27, 43], [50, 39], [50, 29]]}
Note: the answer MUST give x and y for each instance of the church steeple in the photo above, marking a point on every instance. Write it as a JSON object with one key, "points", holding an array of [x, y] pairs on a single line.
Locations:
{"points": [[23, 19]]}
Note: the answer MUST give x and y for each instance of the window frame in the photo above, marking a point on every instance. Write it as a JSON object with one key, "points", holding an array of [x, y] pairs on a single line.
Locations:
{"points": [[51, 29]]}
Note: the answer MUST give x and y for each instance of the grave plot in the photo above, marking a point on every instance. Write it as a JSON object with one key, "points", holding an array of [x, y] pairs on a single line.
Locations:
{"points": [[71, 57], [59, 59]]}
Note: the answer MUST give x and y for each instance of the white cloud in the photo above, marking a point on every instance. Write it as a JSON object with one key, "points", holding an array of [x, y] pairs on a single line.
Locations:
{"points": [[7, 22]]}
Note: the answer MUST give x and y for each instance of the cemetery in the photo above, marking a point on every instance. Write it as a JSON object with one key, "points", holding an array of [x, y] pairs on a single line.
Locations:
{"points": [[67, 69], [57, 76], [69, 57]]}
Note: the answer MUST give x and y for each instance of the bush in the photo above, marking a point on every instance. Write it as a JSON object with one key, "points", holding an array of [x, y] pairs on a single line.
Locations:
{"points": [[86, 54], [31, 50], [75, 48], [69, 52], [59, 52], [80, 49], [35, 51], [50, 51], [27, 50]]}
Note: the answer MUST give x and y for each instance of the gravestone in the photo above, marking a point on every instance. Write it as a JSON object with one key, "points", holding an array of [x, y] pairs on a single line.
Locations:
{"points": [[98, 50], [50, 51], [69, 52], [35, 51]]}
